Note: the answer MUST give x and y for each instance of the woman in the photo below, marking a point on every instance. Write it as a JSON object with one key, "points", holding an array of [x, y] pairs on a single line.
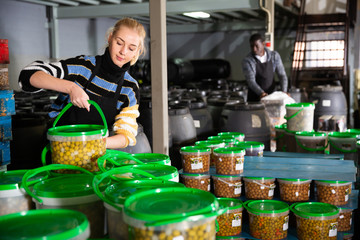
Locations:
{"points": [[103, 79]]}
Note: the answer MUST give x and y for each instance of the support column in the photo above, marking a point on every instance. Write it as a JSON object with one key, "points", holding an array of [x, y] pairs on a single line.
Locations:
{"points": [[158, 58]]}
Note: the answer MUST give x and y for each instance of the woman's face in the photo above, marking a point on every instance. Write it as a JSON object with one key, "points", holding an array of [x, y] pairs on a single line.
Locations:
{"points": [[123, 45]]}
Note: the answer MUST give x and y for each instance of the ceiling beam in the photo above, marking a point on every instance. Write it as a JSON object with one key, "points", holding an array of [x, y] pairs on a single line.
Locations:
{"points": [[172, 7], [46, 3]]}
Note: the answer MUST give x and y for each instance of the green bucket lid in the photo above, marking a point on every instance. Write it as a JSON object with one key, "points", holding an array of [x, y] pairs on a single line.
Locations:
{"points": [[266, 206], [233, 134], [289, 131], [250, 145], [153, 158], [11, 180], [300, 105], [159, 171], [310, 134], [281, 126], [118, 192], [169, 205], [77, 130], [332, 182], [314, 209], [342, 135], [65, 186], [210, 143], [230, 203], [259, 178], [195, 149], [293, 179], [49, 224], [354, 130], [230, 150]]}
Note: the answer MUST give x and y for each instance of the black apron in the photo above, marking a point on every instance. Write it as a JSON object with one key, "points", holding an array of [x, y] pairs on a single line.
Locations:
{"points": [[265, 78], [75, 115]]}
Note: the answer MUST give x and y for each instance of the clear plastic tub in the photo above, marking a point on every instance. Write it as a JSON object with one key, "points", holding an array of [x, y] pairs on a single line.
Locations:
{"points": [[229, 141], [212, 144], [229, 160], [230, 222], [259, 187], [195, 159], [316, 220], [333, 192], [268, 219], [196, 180], [172, 213], [345, 219], [45, 224], [252, 148], [343, 143], [311, 142], [300, 116], [227, 186], [294, 190]]}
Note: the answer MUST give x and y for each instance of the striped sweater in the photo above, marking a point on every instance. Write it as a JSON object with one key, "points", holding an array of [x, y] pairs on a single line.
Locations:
{"points": [[104, 84]]}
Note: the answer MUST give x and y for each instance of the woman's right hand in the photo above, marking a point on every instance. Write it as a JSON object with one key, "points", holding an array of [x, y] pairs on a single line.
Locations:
{"points": [[78, 97]]}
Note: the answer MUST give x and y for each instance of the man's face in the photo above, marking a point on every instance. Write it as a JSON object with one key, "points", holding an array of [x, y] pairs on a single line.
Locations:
{"points": [[257, 48]]}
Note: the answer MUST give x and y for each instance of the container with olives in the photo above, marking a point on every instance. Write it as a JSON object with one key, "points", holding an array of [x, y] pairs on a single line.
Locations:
{"points": [[345, 219], [195, 159], [229, 160], [227, 186], [300, 116], [268, 219], [311, 142], [230, 222], [259, 187], [333, 192], [196, 180], [212, 144], [237, 135], [316, 220], [172, 213], [252, 148], [294, 190]]}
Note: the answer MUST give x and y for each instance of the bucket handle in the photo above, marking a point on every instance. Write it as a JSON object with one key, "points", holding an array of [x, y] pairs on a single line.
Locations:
{"points": [[310, 149], [92, 103], [108, 157], [34, 172], [294, 115], [44, 152], [100, 177]]}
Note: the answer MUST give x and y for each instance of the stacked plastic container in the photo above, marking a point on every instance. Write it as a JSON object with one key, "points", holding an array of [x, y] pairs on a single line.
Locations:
{"points": [[7, 105]]}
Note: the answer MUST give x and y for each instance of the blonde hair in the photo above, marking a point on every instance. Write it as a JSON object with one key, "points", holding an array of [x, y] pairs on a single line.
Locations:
{"points": [[134, 25]]}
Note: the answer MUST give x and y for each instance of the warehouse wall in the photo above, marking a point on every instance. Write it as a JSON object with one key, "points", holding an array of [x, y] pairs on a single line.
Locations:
{"points": [[25, 26]]}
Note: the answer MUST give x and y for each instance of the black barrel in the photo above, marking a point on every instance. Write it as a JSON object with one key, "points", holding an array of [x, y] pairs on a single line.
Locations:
{"points": [[248, 118], [211, 68], [329, 100], [299, 95]]}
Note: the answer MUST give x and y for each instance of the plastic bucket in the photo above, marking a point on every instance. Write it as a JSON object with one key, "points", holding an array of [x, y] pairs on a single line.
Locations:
{"points": [[115, 195], [79, 145], [227, 186], [153, 158], [280, 137], [290, 141], [300, 116], [196, 180], [268, 219], [259, 187], [252, 148], [230, 222], [13, 197], [173, 213], [45, 224], [311, 142], [212, 144], [333, 192], [68, 191], [229, 141], [343, 143], [229, 160], [195, 159], [315, 220], [294, 190], [345, 219]]}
